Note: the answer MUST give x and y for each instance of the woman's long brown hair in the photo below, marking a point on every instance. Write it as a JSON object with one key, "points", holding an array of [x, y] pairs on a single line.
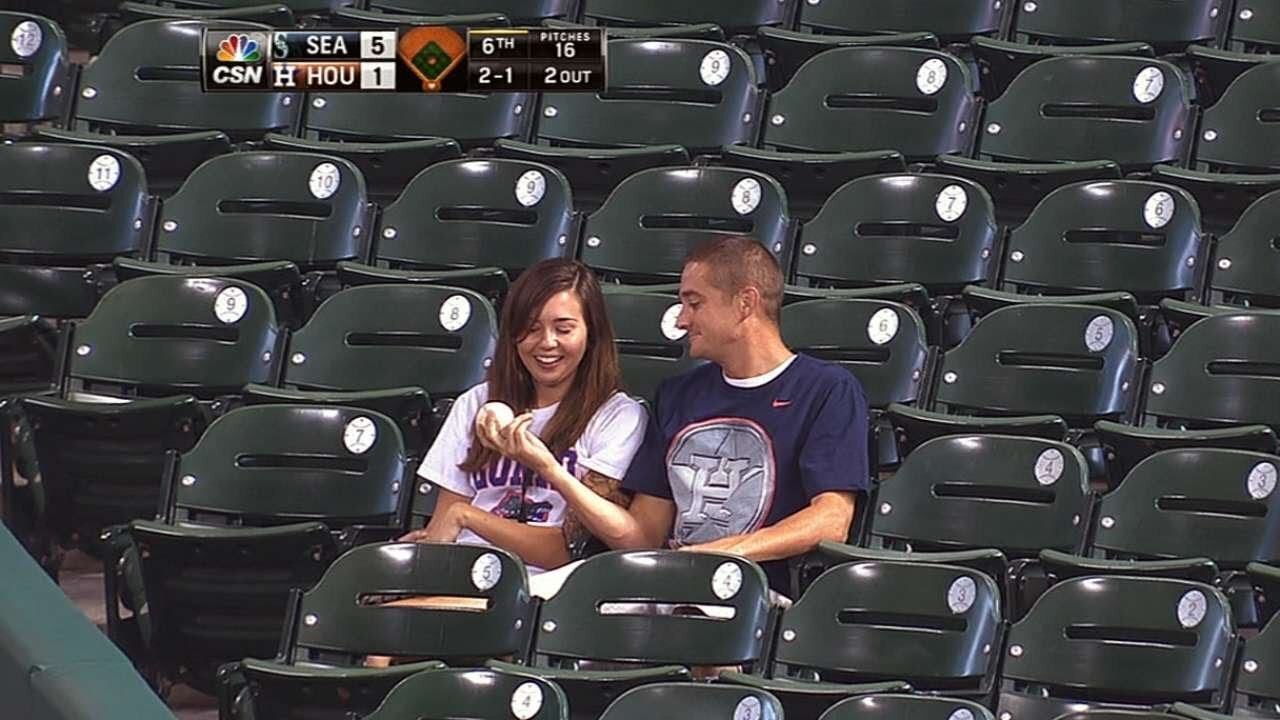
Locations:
{"points": [[596, 379]]}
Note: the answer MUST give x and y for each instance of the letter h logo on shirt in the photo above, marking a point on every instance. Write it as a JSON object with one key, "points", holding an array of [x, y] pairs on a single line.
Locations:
{"points": [[722, 479]]}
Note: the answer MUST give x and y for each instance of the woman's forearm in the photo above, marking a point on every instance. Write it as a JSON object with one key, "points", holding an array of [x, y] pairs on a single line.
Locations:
{"points": [[542, 546]]}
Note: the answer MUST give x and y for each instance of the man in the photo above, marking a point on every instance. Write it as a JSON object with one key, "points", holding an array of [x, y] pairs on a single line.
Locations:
{"points": [[760, 452]]}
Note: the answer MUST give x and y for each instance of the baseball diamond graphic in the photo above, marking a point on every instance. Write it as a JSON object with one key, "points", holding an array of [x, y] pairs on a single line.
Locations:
{"points": [[723, 475]]}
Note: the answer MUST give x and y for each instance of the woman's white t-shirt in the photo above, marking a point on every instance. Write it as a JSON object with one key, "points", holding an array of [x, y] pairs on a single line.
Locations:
{"points": [[608, 444]]}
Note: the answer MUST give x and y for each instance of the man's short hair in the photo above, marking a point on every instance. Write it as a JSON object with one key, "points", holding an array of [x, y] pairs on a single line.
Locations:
{"points": [[736, 263]]}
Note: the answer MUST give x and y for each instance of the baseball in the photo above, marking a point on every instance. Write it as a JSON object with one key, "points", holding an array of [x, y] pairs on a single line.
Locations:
{"points": [[501, 413]]}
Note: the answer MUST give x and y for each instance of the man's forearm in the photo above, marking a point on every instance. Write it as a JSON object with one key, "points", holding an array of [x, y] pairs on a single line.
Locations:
{"points": [[790, 537]]}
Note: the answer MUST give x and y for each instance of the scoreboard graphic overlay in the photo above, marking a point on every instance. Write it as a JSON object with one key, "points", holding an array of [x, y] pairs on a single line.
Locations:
{"points": [[409, 59]]}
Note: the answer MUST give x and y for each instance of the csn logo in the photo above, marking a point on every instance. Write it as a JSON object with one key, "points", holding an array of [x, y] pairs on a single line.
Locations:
{"points": [[239, 59]]}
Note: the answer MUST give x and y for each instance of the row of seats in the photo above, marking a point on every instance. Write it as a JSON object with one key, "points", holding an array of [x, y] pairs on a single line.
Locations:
{"points": [[663, 108]]}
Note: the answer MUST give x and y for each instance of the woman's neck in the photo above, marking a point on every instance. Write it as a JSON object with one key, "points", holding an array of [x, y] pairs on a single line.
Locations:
{"points": [[548, 396]]}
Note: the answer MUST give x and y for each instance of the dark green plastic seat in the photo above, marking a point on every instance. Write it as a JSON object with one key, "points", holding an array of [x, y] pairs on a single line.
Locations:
{"points": [[650, 347], [485, 694], [280, 279], [521, 12], [491, 282], [1080, 107], [1108, 236], [624, 619], [1025, 369], [667, 100], [935, 230], [1169, 28], [334, 625], [39, 47], [1257, 687], [310, 8], [245, 207], [1213, 388], [464, 214], [1243, 271], [1236, 134], [1016, 188], [906, 707], [937, 627], [1205, 507], [693, 700], [262, 504], [1000, 61], [275, 14], [690, 31], [810, 178], [1117, 643], [951, 21], [146, 82], [61, 231], [655, 217], [737, 17], [357, 18], [1222, 197], [1266, 586], [159, 342], [786, 50], [30, 355], [1257, 31]]}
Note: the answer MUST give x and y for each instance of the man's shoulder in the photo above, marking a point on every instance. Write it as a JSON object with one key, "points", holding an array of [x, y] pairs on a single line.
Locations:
{"points": [[672, 386], [825, 374]]}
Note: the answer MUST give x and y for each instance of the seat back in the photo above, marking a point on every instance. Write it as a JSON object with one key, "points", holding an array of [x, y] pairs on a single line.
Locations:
{"points": [[656, 216], [1257, 688], [866, 621], [1194, 502], [735, 16], [695, 93], [1257, 31], [693, 700], [147, 81], [1076, 361], [916, 707], [950, 20], [650, 346], [450, 693], [913, 100], [346, 614], [1167, 26], [1239, 133], [172, 334], [1132, 235], [1126, 639], [468, 213], [657, 607], [1222, 370], [521, 12], [372, 337], [252, 206], [39, 47], [882, 343], [471, 119], [64, 208], [936, 230], [1134, 111], [1247, 262], [1019, 494], [275, 464], [30, 358]]}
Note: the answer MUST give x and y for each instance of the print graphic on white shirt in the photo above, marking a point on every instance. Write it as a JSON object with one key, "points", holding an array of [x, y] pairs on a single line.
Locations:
{"points": [[723, 475]]}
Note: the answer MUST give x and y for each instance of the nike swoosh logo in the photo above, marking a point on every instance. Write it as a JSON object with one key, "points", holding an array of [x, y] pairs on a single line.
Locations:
{"points": [[781, 403]]}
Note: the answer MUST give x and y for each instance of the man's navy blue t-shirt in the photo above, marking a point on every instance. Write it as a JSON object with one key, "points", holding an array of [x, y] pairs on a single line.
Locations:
{"points": [[738, 459]]}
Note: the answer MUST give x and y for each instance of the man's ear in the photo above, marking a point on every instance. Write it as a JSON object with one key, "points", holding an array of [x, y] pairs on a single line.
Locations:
{"points": [[748, 302]]}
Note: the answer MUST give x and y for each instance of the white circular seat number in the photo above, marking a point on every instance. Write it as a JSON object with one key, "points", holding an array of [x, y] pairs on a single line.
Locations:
{"points": [[931, 76], [1159, 209], [1192, 608], [961, 595], [1262, 481], [230, 305], [104, 173], [455, 311], [530, 188], [1148, 85], [1097, 336], [26, 38], [748, 708], [1049, 467], [746, 196], [325, 180], [526, 701], [883, 326], [951, 203], [670, 330], [359, 435], [486, 571], [715, 67], [961, 714], [727, 580]]}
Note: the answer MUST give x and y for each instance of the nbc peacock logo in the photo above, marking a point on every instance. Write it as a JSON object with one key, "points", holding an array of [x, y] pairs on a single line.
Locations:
{"points": [[239, 48]]}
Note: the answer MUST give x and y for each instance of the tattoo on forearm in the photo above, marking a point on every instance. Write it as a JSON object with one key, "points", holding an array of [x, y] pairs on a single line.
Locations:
{"points": [[576, 534]]}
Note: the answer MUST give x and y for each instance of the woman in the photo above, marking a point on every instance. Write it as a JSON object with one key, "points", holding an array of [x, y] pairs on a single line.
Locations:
{"points": [[556, 366]]}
